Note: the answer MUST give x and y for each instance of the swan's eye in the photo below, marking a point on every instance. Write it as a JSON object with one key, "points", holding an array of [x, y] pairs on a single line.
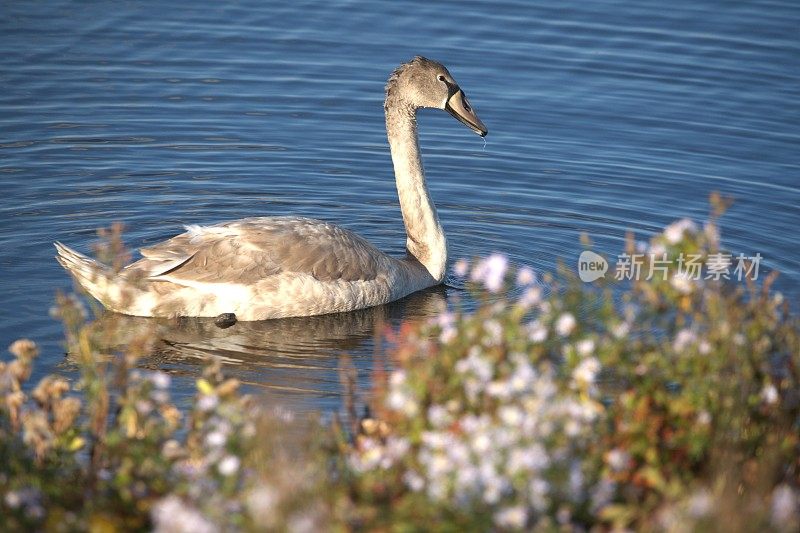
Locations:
{"points": [[440, 77]]}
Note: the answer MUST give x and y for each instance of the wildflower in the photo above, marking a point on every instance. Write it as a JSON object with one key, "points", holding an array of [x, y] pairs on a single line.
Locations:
{"points": [[536, 331], [704, 347], [621, 330], [159, 396], [216, 439], [461, 268], [769, 394], [585, 347], [565, 324], [602, 494], [618, 459], [229, 465], [413, 481], [494, 331], [491, 272], [438, 416], [207, 402], [525, 276], [161, 380], [704, 418], [674, 232], [538, 489], [700, 504], [24, 349], [784, 509], [511, 415], [586, 371], [683, 283], [172, 515], [261, 503], [531, 297], [656, 250], [512, 517], [143, 407], [683, 339]]}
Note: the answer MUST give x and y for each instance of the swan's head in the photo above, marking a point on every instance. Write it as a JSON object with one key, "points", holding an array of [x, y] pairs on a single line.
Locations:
{"points": [[425, 83]]}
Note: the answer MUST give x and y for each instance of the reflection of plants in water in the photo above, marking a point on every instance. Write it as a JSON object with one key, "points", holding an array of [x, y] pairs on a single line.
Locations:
{"points": [[669, 407]]}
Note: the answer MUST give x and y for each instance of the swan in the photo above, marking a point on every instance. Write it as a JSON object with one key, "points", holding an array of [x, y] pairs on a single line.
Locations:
{"points": [[285, 266]]}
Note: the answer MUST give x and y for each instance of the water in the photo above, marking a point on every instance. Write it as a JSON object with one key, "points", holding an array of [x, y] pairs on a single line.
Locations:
{"points": [[603, 116]]}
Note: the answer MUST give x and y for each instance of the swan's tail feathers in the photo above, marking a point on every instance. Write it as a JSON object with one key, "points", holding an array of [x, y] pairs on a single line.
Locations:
{"points": [[94, 277]]}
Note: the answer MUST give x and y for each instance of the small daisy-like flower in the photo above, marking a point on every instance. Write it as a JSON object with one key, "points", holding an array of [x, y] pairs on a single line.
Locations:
{"points": [[585, 347], [537, 332], [491, 272], [674, 232], [525, 276], [161, 380], [769, 394], [461, 268], [565, 324], [229, 465]]}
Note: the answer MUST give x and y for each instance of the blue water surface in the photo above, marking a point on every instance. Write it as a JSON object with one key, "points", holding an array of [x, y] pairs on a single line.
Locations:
{"points": [[604, 116]]}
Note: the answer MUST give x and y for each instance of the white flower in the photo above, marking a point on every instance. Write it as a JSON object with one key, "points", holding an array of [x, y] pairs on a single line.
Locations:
{"points": [[494, 331], [161, 380], [675, 231], [512, 517], [656, 250], [511, 415], [621, 330], [785, 508], [525, 276], [700, 504], [565, 324], [413, 481], [172, 515], [683, 283], [261, 502], [499, 389], [683, 339], [585, 347], [229, 465], [618, 459], [481, 443], [537, 332], [586, 371], [538, 489], [704, 347], [207, 402], [769, 394], [491, 272], [461, 268], [438, 416], [531, 297], [215, 439], [399, 400], [398, 377]]}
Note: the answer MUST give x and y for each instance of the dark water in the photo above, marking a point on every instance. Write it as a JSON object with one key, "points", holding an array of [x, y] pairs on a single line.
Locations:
{"points": [[603, 116]]}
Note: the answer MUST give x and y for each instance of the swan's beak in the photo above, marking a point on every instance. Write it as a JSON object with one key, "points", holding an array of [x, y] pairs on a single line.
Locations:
{"points": [[458, 106]]}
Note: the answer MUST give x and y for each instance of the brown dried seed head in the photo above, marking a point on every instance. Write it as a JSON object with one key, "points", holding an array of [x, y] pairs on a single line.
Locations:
{"points": [[64, 414], [24, 349], [228, 387]]}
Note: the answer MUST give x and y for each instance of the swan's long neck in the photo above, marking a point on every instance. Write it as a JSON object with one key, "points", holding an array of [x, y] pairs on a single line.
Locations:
{"points": [[426, 240]]}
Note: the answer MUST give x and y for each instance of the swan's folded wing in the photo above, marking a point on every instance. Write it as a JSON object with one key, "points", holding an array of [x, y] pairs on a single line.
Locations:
{"points": [[250, 250]]}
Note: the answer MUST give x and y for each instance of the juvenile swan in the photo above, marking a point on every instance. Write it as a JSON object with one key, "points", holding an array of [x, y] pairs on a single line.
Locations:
{"points": [[275, 267]]}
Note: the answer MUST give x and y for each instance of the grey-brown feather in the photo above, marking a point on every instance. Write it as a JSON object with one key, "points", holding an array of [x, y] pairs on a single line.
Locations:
{"points": [[252, 249]]}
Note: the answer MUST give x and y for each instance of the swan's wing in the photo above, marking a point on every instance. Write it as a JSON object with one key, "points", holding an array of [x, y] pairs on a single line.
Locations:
{"points": [[250, 250]]}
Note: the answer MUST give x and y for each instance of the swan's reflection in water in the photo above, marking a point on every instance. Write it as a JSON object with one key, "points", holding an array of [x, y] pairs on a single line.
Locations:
{"points": [[293, 362]]}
